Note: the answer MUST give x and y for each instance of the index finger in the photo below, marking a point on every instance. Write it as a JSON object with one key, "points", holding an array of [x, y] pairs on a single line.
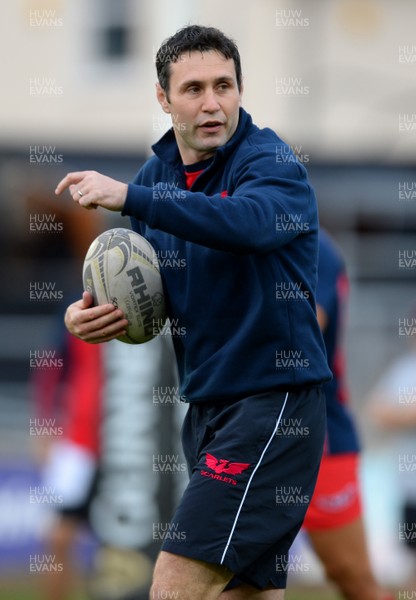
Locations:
{"points": [[95, 312], [69, 179]]}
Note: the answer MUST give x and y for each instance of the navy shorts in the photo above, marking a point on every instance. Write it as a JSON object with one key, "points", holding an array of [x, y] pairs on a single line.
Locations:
{"points": [[253, 466]]}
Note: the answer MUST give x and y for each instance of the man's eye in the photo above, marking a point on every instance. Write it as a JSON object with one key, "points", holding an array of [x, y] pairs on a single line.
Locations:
{"points": [[223, 87]]}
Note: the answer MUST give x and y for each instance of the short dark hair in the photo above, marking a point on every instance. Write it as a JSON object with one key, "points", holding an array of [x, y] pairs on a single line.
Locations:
{"points": [[195, 38]]}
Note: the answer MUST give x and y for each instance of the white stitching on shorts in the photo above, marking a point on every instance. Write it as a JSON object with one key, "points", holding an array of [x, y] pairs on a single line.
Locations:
{"points": [[251, 477]]}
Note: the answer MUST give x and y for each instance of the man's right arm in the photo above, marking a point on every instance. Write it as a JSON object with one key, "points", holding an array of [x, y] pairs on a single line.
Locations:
{"points": [[94, 324]]}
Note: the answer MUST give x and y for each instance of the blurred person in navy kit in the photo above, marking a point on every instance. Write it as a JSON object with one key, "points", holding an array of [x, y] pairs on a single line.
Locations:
{"points": [[243, 224], [334, 519]]}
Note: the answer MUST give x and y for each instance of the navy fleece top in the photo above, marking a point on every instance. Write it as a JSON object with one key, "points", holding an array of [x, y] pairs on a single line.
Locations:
{"points": [[246, 237]]}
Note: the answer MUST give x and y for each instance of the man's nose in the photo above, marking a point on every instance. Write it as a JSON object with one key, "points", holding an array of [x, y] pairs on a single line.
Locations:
{"points": [[210, 103]]}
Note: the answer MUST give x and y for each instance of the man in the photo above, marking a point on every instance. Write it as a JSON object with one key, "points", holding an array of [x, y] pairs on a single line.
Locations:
{"points": [[243, 224], [334, 518]]}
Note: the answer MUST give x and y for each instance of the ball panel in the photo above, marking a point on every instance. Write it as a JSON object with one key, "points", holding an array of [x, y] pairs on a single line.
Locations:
{"points": [[95, 282], [94, 272]]}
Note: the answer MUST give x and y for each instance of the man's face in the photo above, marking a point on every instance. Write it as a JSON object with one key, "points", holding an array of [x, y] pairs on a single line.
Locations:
{"points": [[203, 101]]}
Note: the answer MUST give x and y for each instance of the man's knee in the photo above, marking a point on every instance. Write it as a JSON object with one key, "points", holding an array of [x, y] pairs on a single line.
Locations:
{"points": [[180, 578]]}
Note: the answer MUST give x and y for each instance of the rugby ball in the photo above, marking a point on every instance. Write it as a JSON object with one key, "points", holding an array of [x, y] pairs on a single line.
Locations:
{"points": [[121, 268]]}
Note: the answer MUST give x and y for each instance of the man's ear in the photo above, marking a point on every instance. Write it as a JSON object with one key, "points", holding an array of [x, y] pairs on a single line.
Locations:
{"points": [[241, 91], [162, 98]]}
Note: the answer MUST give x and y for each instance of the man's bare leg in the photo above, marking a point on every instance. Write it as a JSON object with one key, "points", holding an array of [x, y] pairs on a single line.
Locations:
{"points": [[182, 578]]}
